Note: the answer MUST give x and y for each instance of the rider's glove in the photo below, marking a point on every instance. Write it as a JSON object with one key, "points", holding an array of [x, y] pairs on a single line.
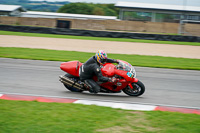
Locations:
{"points": [[116, 61]]}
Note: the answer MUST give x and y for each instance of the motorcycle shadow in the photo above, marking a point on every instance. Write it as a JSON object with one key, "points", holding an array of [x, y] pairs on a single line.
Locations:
{"points": [[113, 95]]}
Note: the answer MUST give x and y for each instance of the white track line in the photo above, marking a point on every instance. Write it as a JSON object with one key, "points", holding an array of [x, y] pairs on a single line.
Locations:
{"points": [[118, 105]]}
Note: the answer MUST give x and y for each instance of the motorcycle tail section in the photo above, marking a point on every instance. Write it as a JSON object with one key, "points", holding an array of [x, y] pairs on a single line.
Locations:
{"points": [[71, 67]]}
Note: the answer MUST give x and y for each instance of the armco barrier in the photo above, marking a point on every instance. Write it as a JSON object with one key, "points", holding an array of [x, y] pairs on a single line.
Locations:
{"points": [[77, 32]]}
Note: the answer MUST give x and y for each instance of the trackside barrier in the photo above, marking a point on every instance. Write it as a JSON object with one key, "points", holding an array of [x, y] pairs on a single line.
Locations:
{"points": [[76, 32]]}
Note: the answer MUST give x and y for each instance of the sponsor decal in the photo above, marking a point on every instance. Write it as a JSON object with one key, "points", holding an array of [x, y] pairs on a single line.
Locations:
{"points": [[130, 74]]}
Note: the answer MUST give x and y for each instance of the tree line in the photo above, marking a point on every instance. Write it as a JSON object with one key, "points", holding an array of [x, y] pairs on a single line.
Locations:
{"points": [[89, 9], [66, 7]]}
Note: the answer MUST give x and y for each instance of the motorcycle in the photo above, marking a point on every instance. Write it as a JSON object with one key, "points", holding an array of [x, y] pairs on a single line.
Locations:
{"points": [[124, 73]]}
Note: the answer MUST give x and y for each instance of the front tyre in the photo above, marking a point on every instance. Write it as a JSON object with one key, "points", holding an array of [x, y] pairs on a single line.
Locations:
{"points": [[138, 89]]}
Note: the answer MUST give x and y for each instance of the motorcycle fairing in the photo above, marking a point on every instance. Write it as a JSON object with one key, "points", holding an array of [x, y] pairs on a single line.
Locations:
{"points": [[108, 69], [71, 67]]}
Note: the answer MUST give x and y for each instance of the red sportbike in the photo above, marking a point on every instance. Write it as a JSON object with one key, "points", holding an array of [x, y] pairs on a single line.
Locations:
{"points": [[124, 72]]}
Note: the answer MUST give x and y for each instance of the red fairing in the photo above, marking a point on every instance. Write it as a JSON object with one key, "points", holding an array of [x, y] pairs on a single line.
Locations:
{"points": [[124, 75], [71, 67], [108, 69]]}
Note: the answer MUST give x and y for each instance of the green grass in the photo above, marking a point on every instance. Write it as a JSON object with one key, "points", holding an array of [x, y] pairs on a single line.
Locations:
{"points": [[98, 38], [136, 60], [36, 117]]}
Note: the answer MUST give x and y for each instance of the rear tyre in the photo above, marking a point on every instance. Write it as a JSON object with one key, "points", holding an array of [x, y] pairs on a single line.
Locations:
{"points": [[138, 89], [69, 87]]}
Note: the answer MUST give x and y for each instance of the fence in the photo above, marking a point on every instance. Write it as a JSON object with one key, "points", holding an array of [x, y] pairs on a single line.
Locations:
{"points": [[114, 25], [93, 33]]}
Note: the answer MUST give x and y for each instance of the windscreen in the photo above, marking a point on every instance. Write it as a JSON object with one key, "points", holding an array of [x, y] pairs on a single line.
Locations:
{"points": [[124, 66]]}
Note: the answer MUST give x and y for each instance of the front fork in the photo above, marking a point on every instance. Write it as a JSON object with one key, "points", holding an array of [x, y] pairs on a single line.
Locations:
{"points": [[135, 80], [130, 85]]}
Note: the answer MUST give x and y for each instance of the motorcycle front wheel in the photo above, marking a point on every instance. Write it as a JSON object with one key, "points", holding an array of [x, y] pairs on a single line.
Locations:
{"points": [[138, 89]]}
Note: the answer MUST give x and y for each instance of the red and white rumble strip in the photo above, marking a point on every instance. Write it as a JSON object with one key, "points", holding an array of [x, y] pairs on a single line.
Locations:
{"points": [[128, 106]]}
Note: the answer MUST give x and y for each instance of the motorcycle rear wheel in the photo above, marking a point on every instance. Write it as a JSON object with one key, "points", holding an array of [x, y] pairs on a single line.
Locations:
{"points": [[138, 89], [69, 87]]}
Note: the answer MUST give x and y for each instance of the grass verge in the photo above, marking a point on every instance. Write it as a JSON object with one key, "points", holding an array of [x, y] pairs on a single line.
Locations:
{"points": [[97, 38], [136, 60], [35, 117]]}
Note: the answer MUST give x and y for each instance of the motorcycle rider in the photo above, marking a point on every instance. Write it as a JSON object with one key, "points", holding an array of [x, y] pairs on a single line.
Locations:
{"points": [[92, 67]]}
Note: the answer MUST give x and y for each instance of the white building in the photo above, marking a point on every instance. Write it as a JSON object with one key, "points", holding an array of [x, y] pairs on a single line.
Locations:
{"points": [[19, 11], [157, 12], [11, 10], [34, 14]]}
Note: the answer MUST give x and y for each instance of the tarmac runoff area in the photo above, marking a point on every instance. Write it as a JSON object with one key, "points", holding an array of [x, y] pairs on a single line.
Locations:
{"points": [[127, 106], [166, 50]]}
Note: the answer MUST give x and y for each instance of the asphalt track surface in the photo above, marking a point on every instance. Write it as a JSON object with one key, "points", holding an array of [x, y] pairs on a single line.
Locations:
{"points": [[163, 86]]}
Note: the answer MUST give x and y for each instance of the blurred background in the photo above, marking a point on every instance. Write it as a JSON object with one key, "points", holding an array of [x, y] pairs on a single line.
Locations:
{"points": [[177, 17]]}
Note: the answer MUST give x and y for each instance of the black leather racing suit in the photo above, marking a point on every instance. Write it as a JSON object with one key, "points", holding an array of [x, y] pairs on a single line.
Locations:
{"points": [[91, 68]]}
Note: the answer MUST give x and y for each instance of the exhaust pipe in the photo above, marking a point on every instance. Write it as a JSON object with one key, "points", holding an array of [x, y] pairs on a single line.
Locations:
{"points": [[71, 83]]}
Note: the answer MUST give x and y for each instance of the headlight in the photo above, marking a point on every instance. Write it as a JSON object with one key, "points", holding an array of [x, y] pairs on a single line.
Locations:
{"points": [[133, 71]]}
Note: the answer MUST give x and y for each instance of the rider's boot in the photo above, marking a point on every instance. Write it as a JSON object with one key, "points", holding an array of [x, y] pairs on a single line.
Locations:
{"points": [[90, 88]]}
